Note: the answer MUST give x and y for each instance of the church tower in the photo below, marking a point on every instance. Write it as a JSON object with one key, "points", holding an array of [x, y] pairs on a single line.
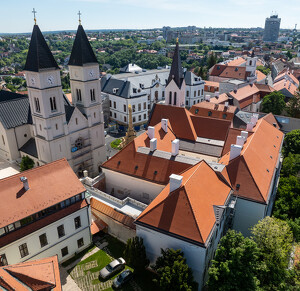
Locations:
{"points": [[251, 68], [175, 87], [86, 93], [46, 100]]}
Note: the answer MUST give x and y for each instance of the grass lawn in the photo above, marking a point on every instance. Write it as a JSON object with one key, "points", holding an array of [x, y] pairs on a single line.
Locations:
{"points": [[115, 144], [115, 250]]}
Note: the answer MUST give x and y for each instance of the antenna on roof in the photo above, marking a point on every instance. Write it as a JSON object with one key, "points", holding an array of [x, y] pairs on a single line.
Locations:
{"points": [[34, 13], [79, 14]]}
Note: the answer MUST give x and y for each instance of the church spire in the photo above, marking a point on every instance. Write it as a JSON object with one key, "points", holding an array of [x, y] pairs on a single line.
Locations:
{"points": [[176, 71], [82, 52], [39, 55]]}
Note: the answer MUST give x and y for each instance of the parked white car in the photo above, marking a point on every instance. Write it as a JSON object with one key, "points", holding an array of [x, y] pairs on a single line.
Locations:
{"points": [[112, 268]]}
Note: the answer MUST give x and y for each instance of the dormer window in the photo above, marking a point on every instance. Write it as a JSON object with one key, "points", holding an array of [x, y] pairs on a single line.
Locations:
{"points": [[209, 113]]}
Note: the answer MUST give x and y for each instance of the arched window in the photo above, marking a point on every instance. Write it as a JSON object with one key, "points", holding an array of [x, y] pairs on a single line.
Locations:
{"points": [[79, 143], [250, 63], [37, 105], [175, 98], [156, 96], [93, 97], [53, 104], [78, 93], [170, 98]]}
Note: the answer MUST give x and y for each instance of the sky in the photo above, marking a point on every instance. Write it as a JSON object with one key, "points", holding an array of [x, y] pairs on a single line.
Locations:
{"points": [[16, 15]]}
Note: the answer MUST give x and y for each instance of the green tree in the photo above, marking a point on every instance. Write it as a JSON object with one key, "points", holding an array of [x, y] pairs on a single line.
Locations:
{"points": [[273, 102], [290, 165], [235, 264], [135, 254], [174, 273], [293, 106], [212, 60], [26, 163], [274, 239], [292, 142], [264, 70]]}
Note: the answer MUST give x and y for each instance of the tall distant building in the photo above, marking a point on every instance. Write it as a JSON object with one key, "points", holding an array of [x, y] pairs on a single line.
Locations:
{"points": [[272, 26]]}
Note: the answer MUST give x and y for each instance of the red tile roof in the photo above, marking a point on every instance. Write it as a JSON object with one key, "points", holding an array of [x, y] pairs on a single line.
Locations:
{"points": [[32, 227], [217, 110], [188, 211], [48, 185], [254, 168], [99, 207], [211, 128], [34, 275], [183, 129], [284, 84], [221, 100]]}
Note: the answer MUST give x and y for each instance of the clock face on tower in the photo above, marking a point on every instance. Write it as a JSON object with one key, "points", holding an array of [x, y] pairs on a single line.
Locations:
{"points": [[50, 80], [92, 74], [32, 81]]}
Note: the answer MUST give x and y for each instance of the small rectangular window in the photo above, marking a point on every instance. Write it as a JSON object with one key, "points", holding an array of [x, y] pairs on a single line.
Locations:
{"points": [[23, 250], [145, 116], [140, 117], [124, 107], [145, 105], [133, 119], [115, 115], [133, 108], [115, 104], [77, 222], [64, 251], [80, 243], [61, 231], [140, 106], [43, 240], [125, 119]]}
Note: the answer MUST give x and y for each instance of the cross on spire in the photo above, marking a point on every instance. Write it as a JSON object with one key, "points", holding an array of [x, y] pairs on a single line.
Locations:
{"points": [[79, 14], [34, 12]]}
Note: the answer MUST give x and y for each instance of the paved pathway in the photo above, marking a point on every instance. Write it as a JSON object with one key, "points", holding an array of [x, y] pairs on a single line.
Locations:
{"points": [[68, 283]]}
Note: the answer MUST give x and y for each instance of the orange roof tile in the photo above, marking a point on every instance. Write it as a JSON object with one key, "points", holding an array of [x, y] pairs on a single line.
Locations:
{"points": [[289, 74], [69, 97], [34, 275], [212, 84], [221, 100], [48, 185], [204, 125], [183, 129], [255, 166], [217, 110], [236, 62], [188, 211], [99, 207], [128, 161], [260, 76], [284, 84]]}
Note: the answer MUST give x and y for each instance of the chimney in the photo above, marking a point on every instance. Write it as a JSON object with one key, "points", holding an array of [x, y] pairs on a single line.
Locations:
{"points": [[25, 183], [85, 173], [240, 140], [244, 134], [207, 97], [235, 91], [249, 126], [151, 132], [175, 182], [153, 144], [175, 147], [235, 151], [254, 119], [164, 124], [274, 124], [217, 94], [226, 104]]}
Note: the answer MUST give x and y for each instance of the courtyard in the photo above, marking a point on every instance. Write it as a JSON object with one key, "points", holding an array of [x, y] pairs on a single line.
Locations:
{"points": [[84, 267]]}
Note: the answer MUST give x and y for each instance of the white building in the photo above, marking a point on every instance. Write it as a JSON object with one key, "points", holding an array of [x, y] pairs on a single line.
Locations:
{"points": [[45, 213], [144, 89], [52, 128]]}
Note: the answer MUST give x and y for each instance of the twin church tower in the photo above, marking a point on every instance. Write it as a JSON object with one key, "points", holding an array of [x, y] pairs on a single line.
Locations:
{"points": [[61, 129]]}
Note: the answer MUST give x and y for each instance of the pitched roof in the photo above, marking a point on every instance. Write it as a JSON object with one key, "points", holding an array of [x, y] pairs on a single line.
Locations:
{"points": [[285, 85], [254, 168], [188, 211], [287, 74], [39, 224], [82, 52], [98, 206], [220, 100], [232, 72], [30, 148], [176, 72], [14, 109], [39, 55], [131, 162], [60, 181], [179, 117], [34, 275], [217, 110]]}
